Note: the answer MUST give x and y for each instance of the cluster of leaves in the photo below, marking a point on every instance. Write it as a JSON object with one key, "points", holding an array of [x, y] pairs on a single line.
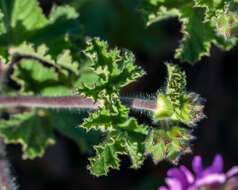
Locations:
{"points": [[45, 62], [174, 106], [203, 23], [175, 103], [123, 135], [43, 59]]}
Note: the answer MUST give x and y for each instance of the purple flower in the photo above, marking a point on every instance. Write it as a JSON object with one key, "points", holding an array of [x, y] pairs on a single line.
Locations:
{"points": [[211, 178]]}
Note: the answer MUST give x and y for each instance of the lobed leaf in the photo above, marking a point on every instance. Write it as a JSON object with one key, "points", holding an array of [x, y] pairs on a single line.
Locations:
{"points": [[114, 68], [34, 130], [106, 157], [17, 27], [30, 130], [200, 24], [45, 76], [168, 143], [124, 135]]}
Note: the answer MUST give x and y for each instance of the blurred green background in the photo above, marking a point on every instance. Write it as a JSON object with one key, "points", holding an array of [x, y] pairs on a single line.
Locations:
{"points": [[215, 78]]}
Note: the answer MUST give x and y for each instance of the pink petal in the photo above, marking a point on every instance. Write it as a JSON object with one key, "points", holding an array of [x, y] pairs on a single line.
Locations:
{"points": [[174, 184], [175, 173], [217, 164], [216, 167], [197, 165], [211, 179], [233, 171], [188, 174]]}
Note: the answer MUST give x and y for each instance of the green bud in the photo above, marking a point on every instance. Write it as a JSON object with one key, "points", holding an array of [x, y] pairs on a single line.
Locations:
{"points": [[164, 108]]}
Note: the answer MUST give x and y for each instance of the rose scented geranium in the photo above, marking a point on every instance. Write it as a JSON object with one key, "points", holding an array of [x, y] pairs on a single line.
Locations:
{"points": [[211, 178]]}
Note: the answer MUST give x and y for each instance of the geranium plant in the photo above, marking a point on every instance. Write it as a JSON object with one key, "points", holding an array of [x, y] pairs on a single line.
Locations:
{"points": [[49, 62]]}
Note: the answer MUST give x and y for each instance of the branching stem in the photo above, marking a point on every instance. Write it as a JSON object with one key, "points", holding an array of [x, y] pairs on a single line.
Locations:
{"points": [[71, 102]]}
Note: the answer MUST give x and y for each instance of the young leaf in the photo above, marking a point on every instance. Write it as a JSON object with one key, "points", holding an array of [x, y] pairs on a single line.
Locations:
{"points": [[114, 68], [124, 135], [175, 103], [123, 138], [168, 143], [106, 157]]}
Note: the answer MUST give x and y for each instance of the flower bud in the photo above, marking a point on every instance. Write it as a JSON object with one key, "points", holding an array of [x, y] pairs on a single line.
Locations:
{"points": [[164, 108]]}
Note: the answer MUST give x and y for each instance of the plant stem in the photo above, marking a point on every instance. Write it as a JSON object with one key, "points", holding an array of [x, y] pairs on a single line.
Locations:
{"points": [[138, 103], [71, 102], [6, 180]]}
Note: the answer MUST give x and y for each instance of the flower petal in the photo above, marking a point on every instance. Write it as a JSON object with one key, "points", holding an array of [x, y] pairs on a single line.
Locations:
{"points": [[174, 184], [232, 171], [197, 165], [217, 164], [175, 173], [216, 167], [188, 174], [211, 179]]}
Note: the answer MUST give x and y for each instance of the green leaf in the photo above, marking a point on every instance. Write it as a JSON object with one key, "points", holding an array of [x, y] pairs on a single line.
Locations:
{"points": [[197, 36], [34, 130], [124, 138], [30, 130], [168, 143], [175, 103], [132, 135], [176, 85], [200, 24], [118, 127], [17, 27], [106, 157], [212, 7], [102, 120], [124, 135], [46, 77], [114, 68]]}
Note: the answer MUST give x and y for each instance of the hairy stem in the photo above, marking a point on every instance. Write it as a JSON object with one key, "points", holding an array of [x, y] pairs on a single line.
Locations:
{"points": [[6, 181], [71, 102]]}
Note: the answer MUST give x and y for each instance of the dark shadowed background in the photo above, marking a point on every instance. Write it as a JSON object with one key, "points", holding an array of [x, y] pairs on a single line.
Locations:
{"points": [[215, 78]]}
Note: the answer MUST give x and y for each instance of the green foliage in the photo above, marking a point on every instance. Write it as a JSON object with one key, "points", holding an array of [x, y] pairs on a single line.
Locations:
{"points": [[23, 21], [203, 23], [168, 143], [174, 106], [175, 103], [115, 69], [29, 129], [34, 130], [51, 57], [43, 58], [46, 77], [124, 135]]}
